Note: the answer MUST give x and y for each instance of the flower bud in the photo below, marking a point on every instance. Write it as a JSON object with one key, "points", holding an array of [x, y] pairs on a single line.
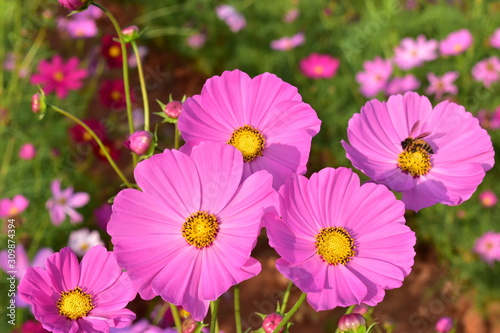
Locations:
{"points": [[130, 33], [173, 109], [139, 142], [271, 322], [444, 325], [73, 4], [37, 103], [351, 322], [188, 325]]}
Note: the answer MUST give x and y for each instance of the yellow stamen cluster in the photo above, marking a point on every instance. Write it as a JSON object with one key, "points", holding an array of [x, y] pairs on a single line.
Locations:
{"points": [[415, 161], [75, 303], [200, 229], [249, 141], [335, 245]]}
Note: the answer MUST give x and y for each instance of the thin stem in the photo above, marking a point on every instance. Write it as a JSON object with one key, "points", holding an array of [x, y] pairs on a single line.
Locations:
{"points": [[143, 86], [176, 136], [237, 316], [125, 71], [214, 308], [199, 326], [290, 313], [96, 138], [286, 296], [177, 318]]}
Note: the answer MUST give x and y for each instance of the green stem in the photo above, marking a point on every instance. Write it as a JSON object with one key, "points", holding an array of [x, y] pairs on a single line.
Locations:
{"points": [[199, 326], [286, 296], [237, 316], [176, 136], [290, 313], [143, 86], [96, 138], [125, 72], [214, 308], [177, 318]]}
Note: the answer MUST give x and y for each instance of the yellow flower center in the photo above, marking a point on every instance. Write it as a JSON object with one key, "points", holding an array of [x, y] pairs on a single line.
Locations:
{"points": [[457, 47], [13, 211], [101, 152], [415, 161], [75, 303], [116, 95], [335, 245], [114, 51], [58, 76], [249, 141], [87, 136], [318, 69], [200, 229]]}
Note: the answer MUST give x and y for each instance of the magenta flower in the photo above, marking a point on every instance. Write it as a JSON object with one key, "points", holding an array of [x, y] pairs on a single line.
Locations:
{"points": [[102, 214], [288, 43], [413, 53], [447, 163], [439, 85], [339, 242], [64, 203], [58, 76], [27, 151], [374, 77], [232, 17], [139, 142], [319, 66], [488, 247], [68, 296], [73, 4], [456, 42], [400, 85], [10, 208], [263, 117], [488, 198], [487, 71], [495, 39], [444, 325], [193, 212]]}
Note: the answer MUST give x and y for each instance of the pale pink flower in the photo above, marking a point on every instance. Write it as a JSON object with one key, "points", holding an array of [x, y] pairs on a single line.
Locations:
{"points": [[80, 241], [487, 71], [414, 52], [291, 15], [456, 42], [488, 247], [197, 40], [232, 17], [288, 43], [495, 39], [374, 77], [64, 203], [440, 85]]}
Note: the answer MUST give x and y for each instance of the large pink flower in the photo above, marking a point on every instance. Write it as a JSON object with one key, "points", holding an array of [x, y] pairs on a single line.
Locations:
{"points": [[188, 235], [341, 243], [456, 42], [263, 117], [446, 167], [68, 296], [374, 77], [58, 76]]}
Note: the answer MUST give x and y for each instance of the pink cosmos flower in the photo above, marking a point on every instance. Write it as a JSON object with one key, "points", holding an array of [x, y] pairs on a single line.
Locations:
{"points": [[27, 151], [495, 39], [197, 40], [288, 43], [488, 198], [319, 66], [291, 15], [440, 85], [488, 247], [489, 120], [339, 242], [232, 17], [400, 85], [193, 212], [58, 76], [456, 42], [64, 203], [413, 53], [374, 77], [81, 241], [487, 71], [68, 296], [446, 166], [10, 208], [78, 26], [112, 94], [444, 325], [263, 117]]}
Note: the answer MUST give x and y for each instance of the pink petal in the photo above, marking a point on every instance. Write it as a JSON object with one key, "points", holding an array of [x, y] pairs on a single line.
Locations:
{"points": [[63, 269], [78, 199]]}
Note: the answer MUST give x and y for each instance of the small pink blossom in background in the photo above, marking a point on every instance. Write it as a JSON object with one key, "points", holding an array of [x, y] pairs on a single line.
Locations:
{"points": [[291, 15], [16, 206], [489, 120], [374, 77], [400, 85], [102, 214], [456, 42], [439, 85], [444, 325], [64, 203], [319, 66], [288, 43], [143, 52], [272, 321], [487, 71], [197, 40], [97, 278], [495, 39], [80, 241], [414, 52], [9, 63], [232, 17], [139, 142], [488, 198], [78, 26], [173, 109], [27, 151], [59, 76], [488, 247]]}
